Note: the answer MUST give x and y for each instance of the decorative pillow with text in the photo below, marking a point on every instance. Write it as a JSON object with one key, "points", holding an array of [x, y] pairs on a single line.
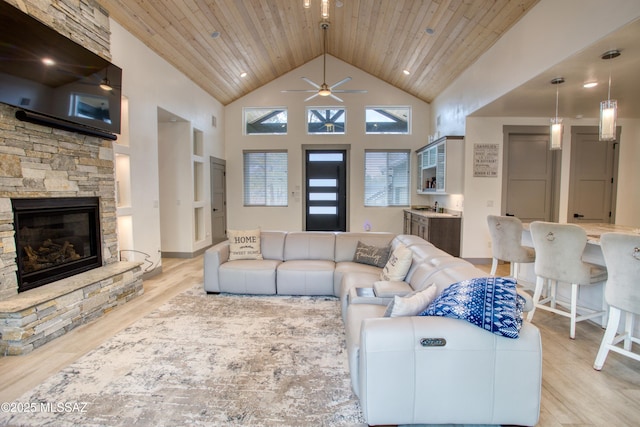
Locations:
{"points": [[244, 244], [371, 255], [398, 265]]}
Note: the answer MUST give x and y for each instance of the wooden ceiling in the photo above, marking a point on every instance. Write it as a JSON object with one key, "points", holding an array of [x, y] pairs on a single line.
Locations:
{"points": [[268, 38]]}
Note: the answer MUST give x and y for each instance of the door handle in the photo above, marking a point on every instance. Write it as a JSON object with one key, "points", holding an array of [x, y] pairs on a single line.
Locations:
{"points": [[215, 210], [508, 214], [577, 215]]}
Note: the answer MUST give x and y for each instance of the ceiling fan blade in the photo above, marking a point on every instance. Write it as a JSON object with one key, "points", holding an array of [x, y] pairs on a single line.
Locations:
{"points": [[350, 91], [346, 79], [317, 86], [335, 97], [298, 90], [311, 97]]}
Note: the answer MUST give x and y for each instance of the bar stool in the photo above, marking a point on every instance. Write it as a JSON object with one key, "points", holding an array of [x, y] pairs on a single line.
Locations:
{"points": [[559, 249], [622, 292], [506, 243]]}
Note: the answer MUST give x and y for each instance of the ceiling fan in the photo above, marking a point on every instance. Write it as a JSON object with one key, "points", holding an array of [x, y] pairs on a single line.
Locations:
{"points": [[324, 89]]}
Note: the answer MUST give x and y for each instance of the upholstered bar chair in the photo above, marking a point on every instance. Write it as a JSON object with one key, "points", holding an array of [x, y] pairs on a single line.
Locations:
{"points": [[559, 249], [622, 292], [506, 243]]}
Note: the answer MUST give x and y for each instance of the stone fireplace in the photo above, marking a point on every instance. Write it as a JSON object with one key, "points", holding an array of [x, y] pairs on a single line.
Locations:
{"points": [[41, 163]]}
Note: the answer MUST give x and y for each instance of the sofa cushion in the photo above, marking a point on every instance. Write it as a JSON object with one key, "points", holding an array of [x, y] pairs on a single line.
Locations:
{"points": [[249, 276], [244, 244], [302, 245], [305, 277], [412, 304], [371, 255], [491, 303], [398, 265], [272, 244]]}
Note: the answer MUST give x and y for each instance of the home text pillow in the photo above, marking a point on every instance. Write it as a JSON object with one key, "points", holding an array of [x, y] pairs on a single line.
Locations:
{"points": [[411, 304], [371, 255], [398, 265], [491, 303], [244, 244]]}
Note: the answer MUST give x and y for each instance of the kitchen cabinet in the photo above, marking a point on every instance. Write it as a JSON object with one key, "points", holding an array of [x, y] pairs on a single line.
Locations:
{"points": [[442, 230], [440, 166]]}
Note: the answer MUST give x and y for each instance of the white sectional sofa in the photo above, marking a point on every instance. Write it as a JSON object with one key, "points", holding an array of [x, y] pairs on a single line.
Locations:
{"points": [[404, 370]]}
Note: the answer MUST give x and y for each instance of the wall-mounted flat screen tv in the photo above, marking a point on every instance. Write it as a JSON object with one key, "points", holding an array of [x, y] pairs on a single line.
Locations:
{"points": [[43, 72]]}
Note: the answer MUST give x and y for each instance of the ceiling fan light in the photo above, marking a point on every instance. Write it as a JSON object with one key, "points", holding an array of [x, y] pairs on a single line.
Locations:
{"points": [[324, 92]]}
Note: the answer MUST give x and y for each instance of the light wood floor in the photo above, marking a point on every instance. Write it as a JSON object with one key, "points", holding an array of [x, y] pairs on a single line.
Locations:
{"points": [[573, 393]]}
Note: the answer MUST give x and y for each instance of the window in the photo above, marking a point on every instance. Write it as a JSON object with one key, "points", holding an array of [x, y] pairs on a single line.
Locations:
{"points": [[265, 121], [265, 178], [386, 180], [388, 120], [325, 120]]}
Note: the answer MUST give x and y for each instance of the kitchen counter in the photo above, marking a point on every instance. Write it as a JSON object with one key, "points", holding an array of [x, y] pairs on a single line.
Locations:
{"points": [[595, 230], [431, 214]]}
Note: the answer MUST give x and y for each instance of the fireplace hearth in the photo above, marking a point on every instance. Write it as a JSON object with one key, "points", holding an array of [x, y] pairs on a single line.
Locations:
{"points": [[55, 238]]}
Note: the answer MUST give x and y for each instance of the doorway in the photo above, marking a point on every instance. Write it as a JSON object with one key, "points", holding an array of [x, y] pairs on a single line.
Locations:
{"points": [[218, 200], [592, 187], [325, 190], [531, 174]]}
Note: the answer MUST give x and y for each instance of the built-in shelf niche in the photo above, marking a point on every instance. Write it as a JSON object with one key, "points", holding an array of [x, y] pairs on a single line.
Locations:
{"points": [[198, 185], [123, 180]]}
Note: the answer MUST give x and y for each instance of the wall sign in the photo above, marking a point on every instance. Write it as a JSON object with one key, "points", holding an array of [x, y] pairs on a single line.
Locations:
{"points": [[485, 160]]}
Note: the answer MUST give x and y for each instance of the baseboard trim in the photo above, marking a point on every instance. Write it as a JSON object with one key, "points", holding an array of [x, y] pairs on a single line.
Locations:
{"points": [[479, 261], [184, 255]]}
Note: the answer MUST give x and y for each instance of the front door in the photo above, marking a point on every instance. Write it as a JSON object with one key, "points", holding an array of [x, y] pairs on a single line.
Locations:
{"points": [[326, 190], [592, 187]]}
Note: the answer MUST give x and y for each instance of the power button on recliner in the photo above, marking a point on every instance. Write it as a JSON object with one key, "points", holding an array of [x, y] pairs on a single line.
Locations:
{"points": [[433, 342]]}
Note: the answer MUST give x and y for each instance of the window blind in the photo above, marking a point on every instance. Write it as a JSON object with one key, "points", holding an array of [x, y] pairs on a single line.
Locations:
{"points": [[386, 181], [265, 178]]}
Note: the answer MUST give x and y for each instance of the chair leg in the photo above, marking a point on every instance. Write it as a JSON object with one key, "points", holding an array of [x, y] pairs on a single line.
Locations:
{"points": [[628, 328], [494, 266], [607, 339], [574, 309], [536, 297]]}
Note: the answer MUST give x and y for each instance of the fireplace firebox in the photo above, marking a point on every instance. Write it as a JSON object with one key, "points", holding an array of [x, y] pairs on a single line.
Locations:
{"points": [[55, 238]]}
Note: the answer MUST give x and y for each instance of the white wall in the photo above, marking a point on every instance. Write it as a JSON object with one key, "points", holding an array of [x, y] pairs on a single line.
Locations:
{"points": [[538, 41], [379, 94], [150, 82]]}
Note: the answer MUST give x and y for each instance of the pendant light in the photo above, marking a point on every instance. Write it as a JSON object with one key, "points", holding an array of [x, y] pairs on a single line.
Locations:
{"points": [[609, 107], [557, 129]]}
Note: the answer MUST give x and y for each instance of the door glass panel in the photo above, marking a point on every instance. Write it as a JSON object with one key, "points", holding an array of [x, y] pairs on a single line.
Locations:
{"points": [[323, 196], [323, 182], [323, 210], [326, 157]]}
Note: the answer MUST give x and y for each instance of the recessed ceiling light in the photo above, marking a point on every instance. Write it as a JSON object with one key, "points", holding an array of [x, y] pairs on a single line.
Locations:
{"points": [[48, 61], [590, 84], [215, 34], [243, 74], [406, 72], [430, 31]]}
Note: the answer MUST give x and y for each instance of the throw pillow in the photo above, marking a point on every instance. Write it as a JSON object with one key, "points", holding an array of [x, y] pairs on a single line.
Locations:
{"points": [[491, 303], [398, 265], [371, 255], [411, 304], [244, 244]]}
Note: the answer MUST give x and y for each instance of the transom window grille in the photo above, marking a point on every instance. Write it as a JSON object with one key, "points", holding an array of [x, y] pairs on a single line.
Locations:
{"points": [[265, 178], [386, 181], [265, 121], [394, 120], [326, 120]]}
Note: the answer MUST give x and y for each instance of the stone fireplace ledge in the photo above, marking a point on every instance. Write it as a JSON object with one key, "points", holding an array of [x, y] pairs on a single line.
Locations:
{"points": [[35, 317]]}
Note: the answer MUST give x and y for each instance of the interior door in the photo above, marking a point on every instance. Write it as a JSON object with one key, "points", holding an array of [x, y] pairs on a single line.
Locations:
{"points": [[326, 190], [530, 171], [218, 200], [592, 187]]}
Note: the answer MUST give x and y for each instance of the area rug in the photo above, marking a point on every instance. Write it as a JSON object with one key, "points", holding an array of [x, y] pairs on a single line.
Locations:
{"points": [[208, 360]]}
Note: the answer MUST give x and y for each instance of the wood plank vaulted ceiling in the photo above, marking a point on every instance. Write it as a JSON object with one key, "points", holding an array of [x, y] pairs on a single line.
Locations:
{"points": [[268, 38]]}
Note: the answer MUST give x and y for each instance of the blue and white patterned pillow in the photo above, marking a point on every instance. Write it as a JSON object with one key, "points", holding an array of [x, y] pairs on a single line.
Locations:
{"points": [[491, 303]]}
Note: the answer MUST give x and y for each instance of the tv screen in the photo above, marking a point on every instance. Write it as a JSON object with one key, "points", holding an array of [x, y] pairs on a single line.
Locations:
{"points": [[43, 72]]}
